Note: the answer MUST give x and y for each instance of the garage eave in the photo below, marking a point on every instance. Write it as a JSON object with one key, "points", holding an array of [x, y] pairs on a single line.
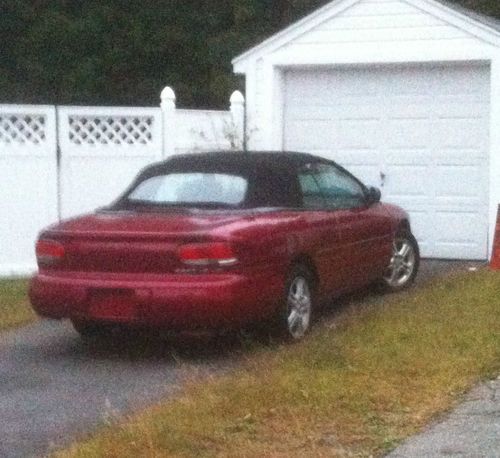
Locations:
{"points": [[485, 28], [296, 29]]}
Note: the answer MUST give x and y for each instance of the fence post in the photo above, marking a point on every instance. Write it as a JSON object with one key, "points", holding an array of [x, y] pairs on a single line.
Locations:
{"points": [[495, 259], [168, 109], [237, 109]]}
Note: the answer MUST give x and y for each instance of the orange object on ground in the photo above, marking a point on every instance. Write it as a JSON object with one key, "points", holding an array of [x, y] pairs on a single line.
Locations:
{"points": [[495, 260]]}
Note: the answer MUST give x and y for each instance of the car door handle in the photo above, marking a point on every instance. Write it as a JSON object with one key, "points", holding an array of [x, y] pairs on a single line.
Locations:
{"points": [[382, 179]]}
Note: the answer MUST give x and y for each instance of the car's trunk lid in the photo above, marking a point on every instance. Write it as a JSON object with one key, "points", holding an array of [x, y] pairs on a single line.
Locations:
{"points": [[151, 225], [132, 242]]}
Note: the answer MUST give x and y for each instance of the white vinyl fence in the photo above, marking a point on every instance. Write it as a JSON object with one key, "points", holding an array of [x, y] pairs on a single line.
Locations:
{"points": [[102, 149], [57, 162], [28, 182]]}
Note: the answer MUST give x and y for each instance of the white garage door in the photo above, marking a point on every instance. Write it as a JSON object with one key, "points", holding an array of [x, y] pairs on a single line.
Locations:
{"points": [[418, 132]]}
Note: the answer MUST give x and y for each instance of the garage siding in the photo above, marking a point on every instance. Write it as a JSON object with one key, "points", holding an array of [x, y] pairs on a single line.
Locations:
{"points": [[380, 21], [419, 132]]}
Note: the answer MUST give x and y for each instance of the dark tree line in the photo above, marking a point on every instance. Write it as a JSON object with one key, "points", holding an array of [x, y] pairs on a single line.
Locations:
{"points": [[125, 51]]}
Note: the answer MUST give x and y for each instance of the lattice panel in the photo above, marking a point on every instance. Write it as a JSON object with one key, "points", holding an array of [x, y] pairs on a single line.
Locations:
{"points": [[111, 130], [22, 129]]}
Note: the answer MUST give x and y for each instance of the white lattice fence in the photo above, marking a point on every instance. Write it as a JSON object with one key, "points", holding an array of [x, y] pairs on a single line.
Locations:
{"points": [[22, 129], [110, 130], [28, 185], [102, 149]]}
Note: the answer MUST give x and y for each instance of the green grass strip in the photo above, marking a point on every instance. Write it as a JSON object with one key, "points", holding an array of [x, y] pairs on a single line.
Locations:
{"points": [[368, 376], [14, 305]]}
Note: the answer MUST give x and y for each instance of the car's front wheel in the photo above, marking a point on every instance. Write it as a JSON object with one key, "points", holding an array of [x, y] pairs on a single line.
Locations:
{"points": [[404, 263]]}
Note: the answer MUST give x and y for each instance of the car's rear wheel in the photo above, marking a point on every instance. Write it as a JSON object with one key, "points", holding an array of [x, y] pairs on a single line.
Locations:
{"points": [[404, 264], [90, 329], [296, 314]]}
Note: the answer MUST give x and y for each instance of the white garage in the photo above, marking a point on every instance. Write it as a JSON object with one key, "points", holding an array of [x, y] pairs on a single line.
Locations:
{"points": [[401, 92]]}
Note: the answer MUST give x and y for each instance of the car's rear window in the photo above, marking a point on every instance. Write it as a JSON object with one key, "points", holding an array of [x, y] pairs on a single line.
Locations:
{"points": [[191, 189]]}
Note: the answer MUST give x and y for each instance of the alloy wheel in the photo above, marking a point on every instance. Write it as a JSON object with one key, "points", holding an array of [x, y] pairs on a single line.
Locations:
{"points": [[299, 307], [402, 265]]}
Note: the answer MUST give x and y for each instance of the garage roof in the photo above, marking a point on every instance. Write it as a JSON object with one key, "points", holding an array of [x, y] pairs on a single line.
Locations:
{"points": [[484, 27]]}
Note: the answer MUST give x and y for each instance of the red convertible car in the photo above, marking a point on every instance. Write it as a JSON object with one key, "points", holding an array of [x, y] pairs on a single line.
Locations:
{"points": [[222, 240]]}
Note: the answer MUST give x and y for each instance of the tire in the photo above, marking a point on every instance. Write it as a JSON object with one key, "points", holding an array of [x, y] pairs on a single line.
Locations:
{"points": [[404, 264], [295, 316], [91, 330]]}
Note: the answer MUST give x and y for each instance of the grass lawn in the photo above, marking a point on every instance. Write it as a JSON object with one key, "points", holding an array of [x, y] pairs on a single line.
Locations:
{"points": [[360, 383], [14, 305]]}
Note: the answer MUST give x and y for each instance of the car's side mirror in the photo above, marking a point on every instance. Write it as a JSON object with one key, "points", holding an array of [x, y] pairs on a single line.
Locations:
{"points": [[374, 195]]}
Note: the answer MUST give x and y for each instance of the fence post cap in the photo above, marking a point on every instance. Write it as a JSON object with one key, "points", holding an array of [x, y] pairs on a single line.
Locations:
{"points": [[237, 98], [167, 97]]}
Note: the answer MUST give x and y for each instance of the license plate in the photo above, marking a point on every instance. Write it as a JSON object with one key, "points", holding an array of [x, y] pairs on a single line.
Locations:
{"points": [[114, 305]]}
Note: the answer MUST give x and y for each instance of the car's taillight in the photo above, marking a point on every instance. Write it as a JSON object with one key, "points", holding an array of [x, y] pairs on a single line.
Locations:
{"points": [[207, 254], [49, 252]]}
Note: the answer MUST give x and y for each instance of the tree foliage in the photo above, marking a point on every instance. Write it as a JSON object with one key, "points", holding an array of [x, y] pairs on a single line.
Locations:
{"points": [[126, 51]]}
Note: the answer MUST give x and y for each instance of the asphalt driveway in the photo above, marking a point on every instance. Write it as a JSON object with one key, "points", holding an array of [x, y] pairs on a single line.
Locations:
{"points": [[54, 387]]}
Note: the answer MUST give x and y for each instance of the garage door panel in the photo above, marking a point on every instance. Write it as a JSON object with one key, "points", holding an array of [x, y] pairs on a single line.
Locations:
{"points": [[402, 133], [458, 156], [458, 231], [424, 127], [468, 107], [351, 103], [358, 157], [459, 182], [462, 229], [407, 156], [341, 112], [449, 233], [312, 134], [449, 251], [349, 133], [406, 181], [460, 133], [459, 79], [408, 108], [311, 112], [458, 107], [403, 80], [357, 82], [299, 86], [335, 99]]}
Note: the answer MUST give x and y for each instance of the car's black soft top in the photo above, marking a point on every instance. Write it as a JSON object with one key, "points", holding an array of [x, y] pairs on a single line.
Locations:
{"points": [[268, 159], [272, 176]]}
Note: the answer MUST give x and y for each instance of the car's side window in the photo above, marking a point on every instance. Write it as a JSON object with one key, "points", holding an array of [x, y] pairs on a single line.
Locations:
{"points": [[312, 197], [339, 190]]}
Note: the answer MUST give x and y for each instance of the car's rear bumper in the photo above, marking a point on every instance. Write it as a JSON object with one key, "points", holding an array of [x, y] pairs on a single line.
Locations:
{"points": [[171, 301]]}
